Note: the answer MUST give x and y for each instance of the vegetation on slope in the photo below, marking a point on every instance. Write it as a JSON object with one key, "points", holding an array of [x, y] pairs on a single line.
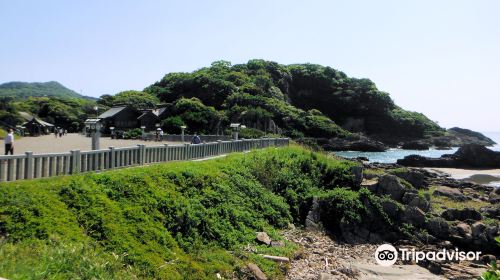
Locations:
{"points": [[302, 99], [186, 220], [62, 112], [22, 90]]}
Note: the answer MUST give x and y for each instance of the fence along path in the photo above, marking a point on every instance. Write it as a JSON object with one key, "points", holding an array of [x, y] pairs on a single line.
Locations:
{"points": [[30, 166]]}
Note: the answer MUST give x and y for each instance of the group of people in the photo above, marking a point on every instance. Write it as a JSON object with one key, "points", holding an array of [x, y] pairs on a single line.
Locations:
{"points": [[60, 131], [159, 137]]}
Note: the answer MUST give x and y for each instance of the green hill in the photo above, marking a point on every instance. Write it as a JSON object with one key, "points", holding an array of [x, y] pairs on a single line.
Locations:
{"points": [[24, 90], [301, 100]]}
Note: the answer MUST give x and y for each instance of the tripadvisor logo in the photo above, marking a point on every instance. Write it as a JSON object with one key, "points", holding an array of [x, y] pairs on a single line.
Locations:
{"points": [[387, 255]]}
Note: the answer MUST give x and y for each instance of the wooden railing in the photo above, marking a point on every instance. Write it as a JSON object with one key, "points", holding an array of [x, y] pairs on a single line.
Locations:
{"points": [[30, 166]]}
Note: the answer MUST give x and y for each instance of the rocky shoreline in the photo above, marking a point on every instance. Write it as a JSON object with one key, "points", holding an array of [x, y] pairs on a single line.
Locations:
{"points": [[453, 137], [467, 156], [445, 214]]}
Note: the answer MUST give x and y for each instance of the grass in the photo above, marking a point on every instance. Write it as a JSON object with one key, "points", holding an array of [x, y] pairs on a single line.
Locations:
{"points": [[441, 203], [179, 220]]}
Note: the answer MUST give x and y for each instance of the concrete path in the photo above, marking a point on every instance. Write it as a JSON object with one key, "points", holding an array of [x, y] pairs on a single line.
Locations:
{"points": [[72, 141]]}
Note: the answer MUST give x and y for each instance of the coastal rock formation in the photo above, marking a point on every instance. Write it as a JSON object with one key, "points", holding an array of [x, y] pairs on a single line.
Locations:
{"points": [[415, 145], [414, 177], [468, 156], [390, 185], [461, 214], [353, 143], [465, 136], [452, 193]]}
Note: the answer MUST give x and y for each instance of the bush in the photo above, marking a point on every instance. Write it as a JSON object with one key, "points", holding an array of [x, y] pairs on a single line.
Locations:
{"points": [[174, 220], [251, 133], [135, 133]]}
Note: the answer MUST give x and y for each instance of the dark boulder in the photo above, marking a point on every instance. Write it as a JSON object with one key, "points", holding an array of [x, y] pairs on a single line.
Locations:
{"points": [[438, 227], [392, 209], [468, 156], [390, 185], [492, 211], [414, 216], [452, 193], [413, 199], [415, 178], [415, 145], [354, 143], [461, 214]]}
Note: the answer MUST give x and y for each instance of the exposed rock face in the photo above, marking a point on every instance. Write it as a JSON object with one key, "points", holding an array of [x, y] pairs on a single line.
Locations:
{"points": [[462, 232], [414, 216], [467, 156], [390, 185], [438, 227], [313, 219], [466, 136], [415, 178], [415, 145], [391, 208], [357, 171], [354, 143], [413, 199], [452, 193]]}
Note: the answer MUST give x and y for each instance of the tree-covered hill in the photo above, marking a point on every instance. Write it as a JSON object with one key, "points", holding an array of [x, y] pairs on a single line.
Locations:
{"points": [[302, 101], [21, 90]]}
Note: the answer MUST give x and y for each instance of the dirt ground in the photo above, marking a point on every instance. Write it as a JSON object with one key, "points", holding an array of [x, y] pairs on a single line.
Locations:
{"points": [[72, 141]]}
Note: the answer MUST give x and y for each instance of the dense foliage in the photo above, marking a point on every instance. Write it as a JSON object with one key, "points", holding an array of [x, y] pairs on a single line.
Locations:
{"points": [[186, 220], [69, 113], [300, 100], [25, 90], [194, 114], [134, 98]]}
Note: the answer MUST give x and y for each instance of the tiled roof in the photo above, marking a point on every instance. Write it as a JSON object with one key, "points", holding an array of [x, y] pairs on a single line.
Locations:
{"points": [[111, 112]]}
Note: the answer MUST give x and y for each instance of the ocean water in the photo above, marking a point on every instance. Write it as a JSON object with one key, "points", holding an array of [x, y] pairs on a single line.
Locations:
{"points": [[392, 155]]}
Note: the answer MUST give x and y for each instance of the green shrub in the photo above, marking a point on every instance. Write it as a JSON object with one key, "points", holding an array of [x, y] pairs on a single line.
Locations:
{"points": [[176, 220], [251, 133], [135, 133]]}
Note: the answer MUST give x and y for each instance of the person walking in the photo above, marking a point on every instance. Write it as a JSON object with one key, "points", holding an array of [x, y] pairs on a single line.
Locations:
{"points": [[196, 139], [60, 132], [161, 134], [9, 142]]}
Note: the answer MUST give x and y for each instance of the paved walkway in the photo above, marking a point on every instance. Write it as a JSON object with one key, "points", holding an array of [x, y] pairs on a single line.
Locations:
{"points": [[72, 141]]}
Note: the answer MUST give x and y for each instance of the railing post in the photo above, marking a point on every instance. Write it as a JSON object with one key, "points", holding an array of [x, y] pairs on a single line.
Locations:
{"points": [[142, 154], [186, 151], [166, 152], [10, 170], [75, 161], [219, 147], [28, 165], [112, 157]]}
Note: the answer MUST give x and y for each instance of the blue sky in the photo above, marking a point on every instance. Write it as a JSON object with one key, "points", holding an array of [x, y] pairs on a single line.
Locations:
{"points": [[441, 57]]}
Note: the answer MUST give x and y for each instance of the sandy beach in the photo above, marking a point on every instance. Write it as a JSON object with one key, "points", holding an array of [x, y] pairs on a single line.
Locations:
{"points": [[478, 176]]}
